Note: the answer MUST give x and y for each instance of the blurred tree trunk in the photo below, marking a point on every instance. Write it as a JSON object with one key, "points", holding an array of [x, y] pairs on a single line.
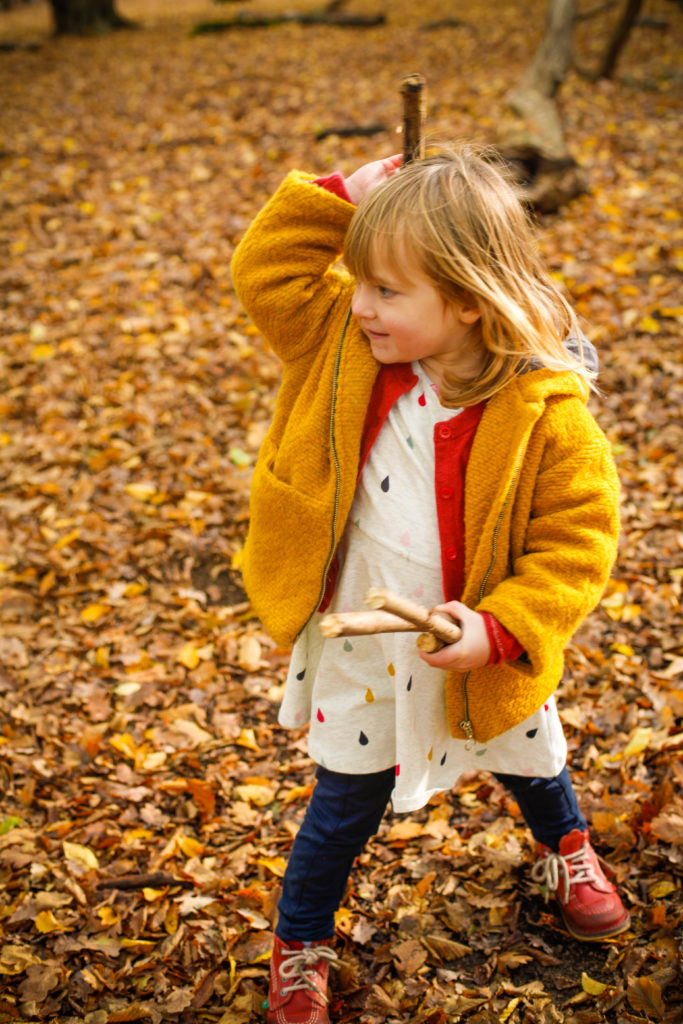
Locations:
{"points": [[619, 38], [85, 17], [531, 135]]}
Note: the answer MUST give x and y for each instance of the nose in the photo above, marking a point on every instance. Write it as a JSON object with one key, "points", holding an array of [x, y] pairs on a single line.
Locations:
{"points": [[361, 303]]}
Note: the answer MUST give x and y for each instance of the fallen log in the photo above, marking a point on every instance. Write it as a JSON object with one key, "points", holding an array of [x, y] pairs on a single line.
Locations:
{"points": [[335, 19]]}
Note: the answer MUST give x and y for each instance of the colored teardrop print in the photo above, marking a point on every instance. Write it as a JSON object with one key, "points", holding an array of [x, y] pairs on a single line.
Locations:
{"points": [[362, 739], [369, 695], [531, 733], [348, 646], [480, 753], [443, 759], [410, 442], [390, 669], [320, 716], [301, 674], [410, 684], [545, 707], [419, 590], [398, 769], [385, 484], [357, 522], [422, 400], [429, 755], [405, 539]]}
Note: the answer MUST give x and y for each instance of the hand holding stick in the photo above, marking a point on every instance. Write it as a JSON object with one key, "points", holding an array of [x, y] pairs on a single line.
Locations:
{"points": [[392, 614]]}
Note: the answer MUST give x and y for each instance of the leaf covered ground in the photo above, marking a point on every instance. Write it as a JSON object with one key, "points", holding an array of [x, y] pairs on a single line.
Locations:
{"points": [[148, 797]]}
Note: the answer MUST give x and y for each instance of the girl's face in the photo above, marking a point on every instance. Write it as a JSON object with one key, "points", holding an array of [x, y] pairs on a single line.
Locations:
{"points": [[405, 318]]}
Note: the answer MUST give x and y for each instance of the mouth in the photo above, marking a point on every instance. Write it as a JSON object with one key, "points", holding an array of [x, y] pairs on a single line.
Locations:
{"points": [[374, 335]]}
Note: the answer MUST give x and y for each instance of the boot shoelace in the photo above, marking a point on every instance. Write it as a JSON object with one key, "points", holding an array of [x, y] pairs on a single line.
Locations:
{"points": [[573, 869], [296, 965]]}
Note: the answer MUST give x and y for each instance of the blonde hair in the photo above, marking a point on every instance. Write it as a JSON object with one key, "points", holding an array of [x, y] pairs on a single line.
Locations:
{"points": [[458, 216]]}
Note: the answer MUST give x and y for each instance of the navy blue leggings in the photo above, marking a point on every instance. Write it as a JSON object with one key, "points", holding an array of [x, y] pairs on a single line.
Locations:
{"points": [[345, 810]]}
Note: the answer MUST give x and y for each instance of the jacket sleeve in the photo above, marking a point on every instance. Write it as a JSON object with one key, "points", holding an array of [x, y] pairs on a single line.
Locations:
{"points": [[570, 541], [283, 269]]}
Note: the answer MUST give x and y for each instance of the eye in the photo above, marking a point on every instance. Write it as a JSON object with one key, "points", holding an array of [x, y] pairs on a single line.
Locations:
{"points": [[385, 293]]}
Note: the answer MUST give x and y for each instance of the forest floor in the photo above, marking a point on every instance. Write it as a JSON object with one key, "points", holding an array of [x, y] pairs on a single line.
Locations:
{"points": [[148, 796]]}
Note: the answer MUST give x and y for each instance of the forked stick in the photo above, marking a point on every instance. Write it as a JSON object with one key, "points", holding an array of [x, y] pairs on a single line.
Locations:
{"points": [[392, 614], [443, 628]]}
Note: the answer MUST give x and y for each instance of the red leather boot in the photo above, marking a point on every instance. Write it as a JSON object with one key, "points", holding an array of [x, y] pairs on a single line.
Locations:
{"points": [[589, 904], [297, 993]]}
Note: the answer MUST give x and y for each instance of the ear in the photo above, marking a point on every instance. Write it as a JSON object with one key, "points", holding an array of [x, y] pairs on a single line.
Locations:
{"points": [[468, 310]]}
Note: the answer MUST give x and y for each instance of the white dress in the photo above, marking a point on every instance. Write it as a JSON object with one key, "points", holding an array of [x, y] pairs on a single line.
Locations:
{"points": [[371, 701]]}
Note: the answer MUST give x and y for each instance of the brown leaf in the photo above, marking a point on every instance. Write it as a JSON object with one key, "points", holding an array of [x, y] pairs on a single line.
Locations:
{"points": [[645, 995]]}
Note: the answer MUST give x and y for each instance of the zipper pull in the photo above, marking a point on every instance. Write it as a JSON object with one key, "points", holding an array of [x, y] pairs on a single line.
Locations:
{"points": [[466, 727]]}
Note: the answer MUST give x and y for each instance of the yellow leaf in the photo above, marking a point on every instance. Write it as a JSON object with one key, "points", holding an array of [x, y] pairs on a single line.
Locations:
{"points": [[624, 649], [66, 540], [261, 796], [649, 325], [131, 835], [47, 583], [125, 744], [509, 1009], [594, 988], [623, 264], [141, 944], [663, 888], [297, 793], [630, 612], [191, 847], [188, 656], [403, 831], [108, 916], [152, 895], [133, 589], [46, 922], [141, 491], [276, 865], [638, 741], [82, 855], [42, 352], [93, 612], [247, 738]]}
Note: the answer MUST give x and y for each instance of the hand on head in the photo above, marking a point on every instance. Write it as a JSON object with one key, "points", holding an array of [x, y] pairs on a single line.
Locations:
{"points": [[370, 175], [473, 649]]}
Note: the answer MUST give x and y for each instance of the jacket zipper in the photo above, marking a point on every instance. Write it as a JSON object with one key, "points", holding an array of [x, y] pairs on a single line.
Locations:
{"points": [[466, 724], [335, 460]]}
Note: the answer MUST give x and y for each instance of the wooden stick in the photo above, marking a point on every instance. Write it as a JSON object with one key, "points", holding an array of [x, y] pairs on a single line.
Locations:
{"points": [[441, 626], [412, 90], [364, 624]]}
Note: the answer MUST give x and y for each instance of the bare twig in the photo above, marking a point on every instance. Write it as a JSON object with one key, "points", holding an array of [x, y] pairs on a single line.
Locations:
{"points": [[412, 90], [154, 880], [364, 624]]}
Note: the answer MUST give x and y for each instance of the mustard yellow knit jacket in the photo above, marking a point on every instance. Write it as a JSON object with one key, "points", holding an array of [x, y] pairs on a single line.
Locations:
{"points": [[541, 491]]}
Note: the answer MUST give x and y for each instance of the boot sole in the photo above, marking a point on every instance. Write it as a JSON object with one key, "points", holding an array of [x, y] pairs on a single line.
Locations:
{"points": [[607, 933]]}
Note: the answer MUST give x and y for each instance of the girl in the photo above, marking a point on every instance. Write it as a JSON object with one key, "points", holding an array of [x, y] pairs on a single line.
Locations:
{"points": [[430, 436]]}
